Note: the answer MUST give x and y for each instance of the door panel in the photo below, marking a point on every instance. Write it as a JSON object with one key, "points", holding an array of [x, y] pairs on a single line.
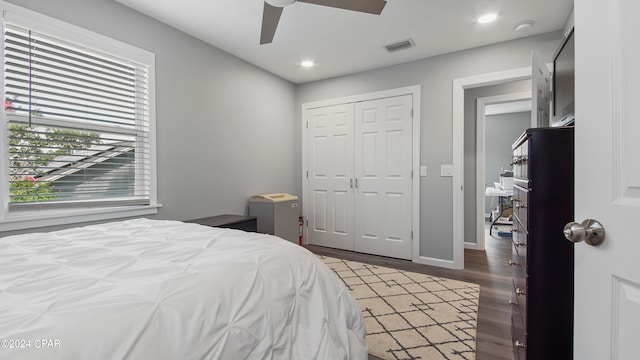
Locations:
{"points": [[370, 211], [393, 211], [383, 153], [607, 178], [319, 223], [341, 217], [341, 146], [369, 155], [320, 151], [330, 176], [394, 152]]}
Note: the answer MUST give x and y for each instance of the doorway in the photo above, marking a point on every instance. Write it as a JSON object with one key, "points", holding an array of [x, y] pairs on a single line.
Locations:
{"points": [[460, 177], [500, 120]]}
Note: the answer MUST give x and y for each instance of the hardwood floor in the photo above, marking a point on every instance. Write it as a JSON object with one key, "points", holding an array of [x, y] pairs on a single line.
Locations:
{"points": [[487, 268]]}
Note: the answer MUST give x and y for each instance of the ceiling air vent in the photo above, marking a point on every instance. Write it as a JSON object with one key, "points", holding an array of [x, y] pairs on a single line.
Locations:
{"points": [[400, 45]]}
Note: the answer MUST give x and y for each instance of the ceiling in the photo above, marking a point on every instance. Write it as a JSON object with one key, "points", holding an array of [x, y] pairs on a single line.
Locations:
{"points": [[342, 42]]}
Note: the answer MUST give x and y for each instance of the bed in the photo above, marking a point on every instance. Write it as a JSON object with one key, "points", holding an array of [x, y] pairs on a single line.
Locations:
{"points": [[155, 289]]}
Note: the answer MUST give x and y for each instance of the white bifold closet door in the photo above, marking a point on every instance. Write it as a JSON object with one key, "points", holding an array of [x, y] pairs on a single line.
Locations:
{"points": [[360, 176], [330, 176]]}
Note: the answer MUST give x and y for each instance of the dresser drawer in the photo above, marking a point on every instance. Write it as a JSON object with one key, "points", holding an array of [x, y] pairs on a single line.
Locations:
{"points": [[520, 161], [519, 323], [519, 245], [515, 162], [520, 235], [518, 340], [524, 160], [519, 290], [519, 281], [519, 240], [521, 203], [518, 319]]}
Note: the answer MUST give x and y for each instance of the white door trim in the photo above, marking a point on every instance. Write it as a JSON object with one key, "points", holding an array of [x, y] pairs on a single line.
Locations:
{"points": [[409, 90], [459, 85], [480, 158]]}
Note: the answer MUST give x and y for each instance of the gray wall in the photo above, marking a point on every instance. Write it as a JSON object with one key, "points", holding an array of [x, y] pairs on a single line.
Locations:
{"points": [[501, 131], [435, 76], [226, 129], [470, 135]]}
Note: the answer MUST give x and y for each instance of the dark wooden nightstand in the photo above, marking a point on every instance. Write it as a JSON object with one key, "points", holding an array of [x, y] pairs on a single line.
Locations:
{"points": [[240, 222]]}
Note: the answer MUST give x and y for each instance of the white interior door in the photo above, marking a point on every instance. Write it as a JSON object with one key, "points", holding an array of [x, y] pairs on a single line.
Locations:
{"points": [[607, 178], [330, 176], [383, 153], [540, 91]]}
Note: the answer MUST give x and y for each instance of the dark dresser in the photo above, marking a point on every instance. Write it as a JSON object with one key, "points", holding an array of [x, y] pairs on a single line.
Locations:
{"points": [[542, 259]]}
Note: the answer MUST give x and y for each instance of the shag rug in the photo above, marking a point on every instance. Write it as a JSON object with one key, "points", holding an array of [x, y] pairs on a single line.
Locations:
{"points": [[409, 315]]}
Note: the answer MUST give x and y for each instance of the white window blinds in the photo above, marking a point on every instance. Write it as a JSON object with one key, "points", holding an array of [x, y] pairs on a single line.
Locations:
{"points": [[78, 123]]}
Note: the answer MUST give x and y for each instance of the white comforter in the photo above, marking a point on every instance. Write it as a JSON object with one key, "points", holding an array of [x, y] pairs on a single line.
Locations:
{"points": [[148, 289]]}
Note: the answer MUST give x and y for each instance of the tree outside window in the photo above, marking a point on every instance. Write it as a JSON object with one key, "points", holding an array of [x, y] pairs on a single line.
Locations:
{"points": [[33, 149]]}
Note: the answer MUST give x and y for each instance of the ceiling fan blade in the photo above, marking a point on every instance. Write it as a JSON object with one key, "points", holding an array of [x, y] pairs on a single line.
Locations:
{"points": [[366, 6], [270, 19]]}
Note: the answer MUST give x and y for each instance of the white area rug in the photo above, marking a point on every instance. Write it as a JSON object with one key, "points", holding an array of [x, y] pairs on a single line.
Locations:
{"points": [[409, 315]]}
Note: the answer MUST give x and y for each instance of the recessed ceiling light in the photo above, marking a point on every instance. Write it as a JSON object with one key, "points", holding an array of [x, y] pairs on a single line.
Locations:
{"points": [[307, 63], [487, 18], [524, 26]]}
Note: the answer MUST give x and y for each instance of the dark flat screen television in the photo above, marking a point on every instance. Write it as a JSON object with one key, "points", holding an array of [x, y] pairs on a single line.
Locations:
{"points": [[563, 81]]}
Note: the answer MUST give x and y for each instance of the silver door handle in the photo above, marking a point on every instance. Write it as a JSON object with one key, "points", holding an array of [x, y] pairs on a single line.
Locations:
{"points": [[356, 183], [351, 183], [591, 231]]}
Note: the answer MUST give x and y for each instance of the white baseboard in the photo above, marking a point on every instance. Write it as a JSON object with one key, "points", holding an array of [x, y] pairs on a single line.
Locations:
{"points": [[449, 264], [470, 245]]}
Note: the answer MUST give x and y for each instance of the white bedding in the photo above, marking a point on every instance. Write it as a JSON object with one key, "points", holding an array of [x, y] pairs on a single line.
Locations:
{"points": [[149, 289]]}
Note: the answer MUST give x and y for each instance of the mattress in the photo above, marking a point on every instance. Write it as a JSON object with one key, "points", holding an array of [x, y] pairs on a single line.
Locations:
{"points": [[151, 289]]}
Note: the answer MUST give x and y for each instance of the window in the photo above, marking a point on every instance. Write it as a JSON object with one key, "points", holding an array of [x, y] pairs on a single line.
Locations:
{"points": [[77, 124]]}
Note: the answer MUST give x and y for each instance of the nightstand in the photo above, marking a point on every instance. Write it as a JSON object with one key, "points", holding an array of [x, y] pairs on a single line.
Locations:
{"points": [[240, 222]]}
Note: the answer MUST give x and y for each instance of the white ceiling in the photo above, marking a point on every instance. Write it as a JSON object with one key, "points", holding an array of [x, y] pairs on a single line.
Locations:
{"points": [[341, 41]]}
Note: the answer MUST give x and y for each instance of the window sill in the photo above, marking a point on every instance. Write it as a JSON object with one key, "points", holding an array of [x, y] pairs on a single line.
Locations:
{"points": [[42, 218]]}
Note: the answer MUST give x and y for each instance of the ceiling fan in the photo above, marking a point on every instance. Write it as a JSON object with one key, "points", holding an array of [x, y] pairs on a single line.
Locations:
{"points": [[273, 10]]}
